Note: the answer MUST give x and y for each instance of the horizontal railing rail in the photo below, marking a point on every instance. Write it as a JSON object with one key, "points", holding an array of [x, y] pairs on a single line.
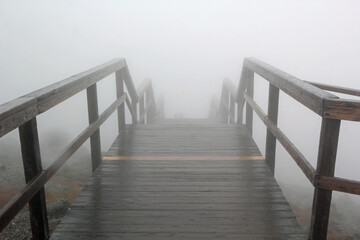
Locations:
{"points": [[21, 113], [330, 107]]}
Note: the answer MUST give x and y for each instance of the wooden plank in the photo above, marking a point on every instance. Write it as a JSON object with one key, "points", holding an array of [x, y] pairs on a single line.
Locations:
{"points": [[338, 184], [250, 93], [325, 167], [230, 87], [305, 93], [342, 109], [30, 149], [17, 112], [190, 198], [273, 107], [119, 80], [188, 158], [332, 88], [93, 114]]}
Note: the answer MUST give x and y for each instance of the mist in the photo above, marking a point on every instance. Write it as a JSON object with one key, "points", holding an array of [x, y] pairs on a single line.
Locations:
{"points": [[187, 48]]}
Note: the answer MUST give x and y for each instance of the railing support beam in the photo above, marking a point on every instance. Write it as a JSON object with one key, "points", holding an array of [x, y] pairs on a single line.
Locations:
{"points": [[273, 107], [93, 112], [30, 150], [119, 92], [249, 75], [325, 167]]}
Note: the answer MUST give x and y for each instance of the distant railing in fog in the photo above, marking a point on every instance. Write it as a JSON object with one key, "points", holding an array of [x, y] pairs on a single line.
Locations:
{"points": [[21, 113], [331, 108]]}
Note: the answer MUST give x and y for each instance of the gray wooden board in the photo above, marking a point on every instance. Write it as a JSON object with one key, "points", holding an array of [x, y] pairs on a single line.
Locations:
{"points": [[181, 199]]}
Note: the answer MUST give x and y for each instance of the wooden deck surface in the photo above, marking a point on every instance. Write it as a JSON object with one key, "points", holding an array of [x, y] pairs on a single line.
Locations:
{"points": [[188, 185]]}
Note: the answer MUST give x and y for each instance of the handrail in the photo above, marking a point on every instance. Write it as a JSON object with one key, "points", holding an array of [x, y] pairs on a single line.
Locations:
{"points": [[21, 113], [330, 107], [227, 101]]}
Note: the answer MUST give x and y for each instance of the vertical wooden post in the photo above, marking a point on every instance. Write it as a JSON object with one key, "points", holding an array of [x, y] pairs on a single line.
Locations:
{"points": [[142, 114], [30, 150], [225, 107], [151, 115], [93, 113], [119, 92], [273, 107], [325, 167], [232, 109], [250, 91], [134, 106]]}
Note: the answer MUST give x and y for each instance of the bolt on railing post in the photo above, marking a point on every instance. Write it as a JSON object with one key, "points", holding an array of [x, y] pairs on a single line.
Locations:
{"points": [[273, 107], [30, 150], [93, 113], [325, 167], [142, 114], [250, 91], [119, 92]]}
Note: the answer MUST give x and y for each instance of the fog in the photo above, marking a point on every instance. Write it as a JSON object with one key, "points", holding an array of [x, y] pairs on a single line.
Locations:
{"points": [[187, 48]]}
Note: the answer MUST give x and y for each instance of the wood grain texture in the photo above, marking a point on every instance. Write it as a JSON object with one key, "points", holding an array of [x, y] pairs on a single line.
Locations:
{"points": [[181, 199], [305, 93]]}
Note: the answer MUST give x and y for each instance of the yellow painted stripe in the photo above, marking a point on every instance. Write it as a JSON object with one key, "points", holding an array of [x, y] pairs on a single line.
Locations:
{"points": [[183, 158]]}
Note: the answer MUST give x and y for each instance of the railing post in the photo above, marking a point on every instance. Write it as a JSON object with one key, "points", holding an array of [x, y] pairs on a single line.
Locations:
{"points": [[273, 107], [119, 93], [142, 109], [30, 150], [151, 115], [224, 105], [232, 109], [250, 91], [325, 167], [93, 113], [134, 106]]}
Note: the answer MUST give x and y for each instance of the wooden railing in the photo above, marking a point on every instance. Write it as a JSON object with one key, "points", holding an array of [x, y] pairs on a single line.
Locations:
{"points": [[21, 113], [331, 108]]}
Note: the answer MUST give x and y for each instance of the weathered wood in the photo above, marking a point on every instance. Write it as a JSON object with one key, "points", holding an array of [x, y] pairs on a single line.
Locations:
{"points": [[224, 105], [150, 102], [332, 88], [338, 184], [130, 107], [343, 109], [30, 150], [230, 86], [135, 111], [189, 158], [177, 199], [232, 109], [119, 92], [17, 112], [20, 199], [141, 90], [325, 167], [130, 84], [250, 93], [273, 107], [305, 93], [142, 115], [295, 153], [93, 114], [245, 74]]}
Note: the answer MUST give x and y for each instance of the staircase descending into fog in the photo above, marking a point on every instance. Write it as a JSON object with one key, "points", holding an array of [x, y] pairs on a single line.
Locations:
{"points": [[181, 178]]}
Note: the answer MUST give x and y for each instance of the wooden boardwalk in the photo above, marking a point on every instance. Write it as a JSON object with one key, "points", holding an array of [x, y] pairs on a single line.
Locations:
{"points": [[186, 179]]}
